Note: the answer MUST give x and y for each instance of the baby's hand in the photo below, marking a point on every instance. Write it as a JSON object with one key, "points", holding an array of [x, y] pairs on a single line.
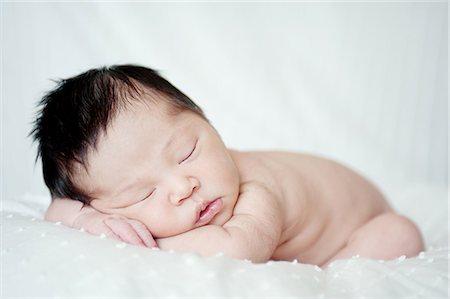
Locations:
{"points": [[114, 226]]}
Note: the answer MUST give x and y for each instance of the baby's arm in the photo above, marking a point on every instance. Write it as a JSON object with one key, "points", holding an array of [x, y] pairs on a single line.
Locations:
{"points": [[76, 215], [252, 233]]}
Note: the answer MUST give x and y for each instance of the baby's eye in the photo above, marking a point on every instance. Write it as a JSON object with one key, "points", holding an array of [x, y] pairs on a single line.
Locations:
{"points": [[190, 154], [147, 196]]}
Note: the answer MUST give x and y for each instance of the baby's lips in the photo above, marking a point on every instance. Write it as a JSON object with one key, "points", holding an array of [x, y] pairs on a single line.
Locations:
{"points": [[210, 211]]}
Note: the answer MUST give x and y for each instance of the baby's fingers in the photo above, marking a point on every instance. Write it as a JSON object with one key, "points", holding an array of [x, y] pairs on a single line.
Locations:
{"points": [[102, 229], [124, 230], [111, 234], [144, 233]]}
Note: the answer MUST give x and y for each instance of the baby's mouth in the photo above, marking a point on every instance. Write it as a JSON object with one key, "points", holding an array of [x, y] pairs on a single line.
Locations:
{"points": [[209, 211]]}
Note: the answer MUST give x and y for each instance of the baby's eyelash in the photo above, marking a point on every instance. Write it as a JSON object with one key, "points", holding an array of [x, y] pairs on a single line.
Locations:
{"points": [[148, 195], [190, 154]]}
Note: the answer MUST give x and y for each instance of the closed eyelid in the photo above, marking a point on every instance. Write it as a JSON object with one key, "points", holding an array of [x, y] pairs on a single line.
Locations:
{"points": [[128, 199], [147, 196], [191, 152]]}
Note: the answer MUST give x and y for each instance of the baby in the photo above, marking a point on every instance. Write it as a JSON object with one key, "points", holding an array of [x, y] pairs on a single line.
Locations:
{"points": [[127, 154]]}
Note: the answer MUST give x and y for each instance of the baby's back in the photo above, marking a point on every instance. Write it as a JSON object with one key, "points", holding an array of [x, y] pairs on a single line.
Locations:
{"points": [[322, 202]]}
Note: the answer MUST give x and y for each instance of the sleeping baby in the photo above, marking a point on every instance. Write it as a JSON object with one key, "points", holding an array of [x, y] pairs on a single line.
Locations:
{"points": [[126, 154]]}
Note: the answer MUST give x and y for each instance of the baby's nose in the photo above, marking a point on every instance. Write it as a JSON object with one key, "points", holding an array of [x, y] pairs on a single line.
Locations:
{"points": [[183, 189]]}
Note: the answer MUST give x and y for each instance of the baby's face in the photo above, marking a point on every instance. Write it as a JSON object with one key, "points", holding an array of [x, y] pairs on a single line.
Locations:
{"points": [[173, 173]]}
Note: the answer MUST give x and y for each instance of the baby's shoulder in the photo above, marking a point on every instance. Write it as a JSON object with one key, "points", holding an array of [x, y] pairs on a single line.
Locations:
{"points": [[271, 159], [270, 168], [278, 165], [284, 176], [258, 201]]}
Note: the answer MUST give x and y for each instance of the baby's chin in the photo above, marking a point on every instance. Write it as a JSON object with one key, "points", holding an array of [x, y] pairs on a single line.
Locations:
{"points": [[227, 211], [219, 220], [223, 217], [162, 235]]}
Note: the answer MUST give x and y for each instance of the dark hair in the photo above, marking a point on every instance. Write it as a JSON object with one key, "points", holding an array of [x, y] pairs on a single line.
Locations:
{"points": [[73, 114]]}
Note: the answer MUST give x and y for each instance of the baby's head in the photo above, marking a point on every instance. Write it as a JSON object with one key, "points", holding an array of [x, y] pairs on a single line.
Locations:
{"points": [[127, 142]]}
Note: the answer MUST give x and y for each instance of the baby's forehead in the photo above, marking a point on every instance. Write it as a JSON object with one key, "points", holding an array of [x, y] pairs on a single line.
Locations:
{"points": [[143, 126], [136, 115]]}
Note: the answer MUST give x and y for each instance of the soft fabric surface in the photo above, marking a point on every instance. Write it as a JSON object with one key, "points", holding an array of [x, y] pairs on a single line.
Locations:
{"points": [[361, 83], [43, 259]]}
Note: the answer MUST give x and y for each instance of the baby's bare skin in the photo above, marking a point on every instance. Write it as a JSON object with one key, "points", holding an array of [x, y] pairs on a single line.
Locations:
{"points": [[193, 194], [322, 203]]}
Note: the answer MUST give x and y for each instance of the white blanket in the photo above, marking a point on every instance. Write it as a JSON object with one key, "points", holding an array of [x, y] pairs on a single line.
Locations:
{"points": [[42, 259], [362, 83]]}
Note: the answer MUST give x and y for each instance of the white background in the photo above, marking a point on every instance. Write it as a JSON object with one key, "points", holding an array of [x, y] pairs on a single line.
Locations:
{"points": [[363, 83]]}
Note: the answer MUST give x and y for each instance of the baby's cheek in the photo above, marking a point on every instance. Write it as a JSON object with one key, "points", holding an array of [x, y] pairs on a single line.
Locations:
{"points": [[136, 214], [222, 168], [230, 176], [156, 230], [157, 223]]}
